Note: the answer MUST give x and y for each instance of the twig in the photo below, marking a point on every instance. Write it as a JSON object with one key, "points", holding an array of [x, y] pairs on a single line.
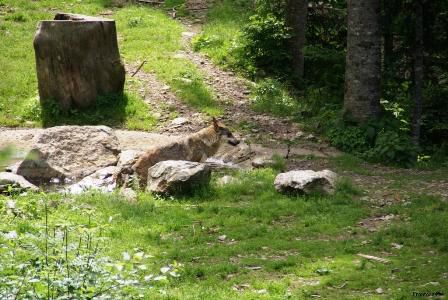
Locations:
{"points": [[288, 151], [374, 258], [138, 69]]}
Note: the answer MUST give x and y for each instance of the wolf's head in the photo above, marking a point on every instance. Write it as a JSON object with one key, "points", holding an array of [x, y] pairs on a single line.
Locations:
{"points": [[225, 133]]}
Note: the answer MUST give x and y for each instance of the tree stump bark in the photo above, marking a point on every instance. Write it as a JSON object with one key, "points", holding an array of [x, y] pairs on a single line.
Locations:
{"points": [[77, 60]]}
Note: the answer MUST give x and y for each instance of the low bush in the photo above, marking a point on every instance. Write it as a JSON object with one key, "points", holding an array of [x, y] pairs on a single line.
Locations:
{"points": [[271, 96]]}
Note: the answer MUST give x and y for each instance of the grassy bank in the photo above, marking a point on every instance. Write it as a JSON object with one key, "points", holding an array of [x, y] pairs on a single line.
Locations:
{"points": [[143, 34], [245, 241]]}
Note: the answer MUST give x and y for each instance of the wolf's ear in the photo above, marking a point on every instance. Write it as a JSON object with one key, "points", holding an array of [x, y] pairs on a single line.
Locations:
{"points": [[215, 123]]}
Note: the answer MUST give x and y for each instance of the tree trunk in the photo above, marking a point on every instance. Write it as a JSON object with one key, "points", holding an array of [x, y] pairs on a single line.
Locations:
{"points": [[363, 63], [77, 60], [418, 72], [296, 16], [388, 38]]}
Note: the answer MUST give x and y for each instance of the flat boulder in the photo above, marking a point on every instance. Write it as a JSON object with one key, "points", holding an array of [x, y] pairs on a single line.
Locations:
{"points": [[15, 182], [70, 152], [177, 177], [306, 182]]}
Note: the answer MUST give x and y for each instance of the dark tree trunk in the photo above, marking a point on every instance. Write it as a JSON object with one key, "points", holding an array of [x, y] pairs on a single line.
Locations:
{"points": [[418, 72], [77, 60], [296, 16], [388, 42], [363, 68]]}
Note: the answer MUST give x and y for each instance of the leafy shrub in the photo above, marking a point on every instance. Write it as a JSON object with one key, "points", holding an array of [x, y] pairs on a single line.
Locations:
{"points": [[381, 142], [66, 261], [393, 148], [350, 139], [265, 43], [279, 163], [203, 41], [270, 96], [325, 69]]}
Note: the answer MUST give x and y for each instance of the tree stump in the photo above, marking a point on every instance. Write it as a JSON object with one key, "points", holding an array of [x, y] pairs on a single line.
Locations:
{"points": [[77, 60]]}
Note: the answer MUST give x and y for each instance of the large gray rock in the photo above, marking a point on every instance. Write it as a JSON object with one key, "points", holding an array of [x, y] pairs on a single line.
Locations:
{"points": [[306, 182], [17, 182], [102, 180], [177, 177], [70, 152]]}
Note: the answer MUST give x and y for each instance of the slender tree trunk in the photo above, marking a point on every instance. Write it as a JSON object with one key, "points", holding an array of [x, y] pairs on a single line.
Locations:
{"points": [[296, 16], [418, 72], [363, 63]]}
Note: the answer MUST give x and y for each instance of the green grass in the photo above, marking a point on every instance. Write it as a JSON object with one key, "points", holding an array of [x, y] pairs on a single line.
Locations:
{"points": [[222, 30], [294, 240], [150, 35], [144, 33]]}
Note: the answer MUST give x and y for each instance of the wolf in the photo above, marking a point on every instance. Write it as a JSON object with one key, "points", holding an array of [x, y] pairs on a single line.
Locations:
{"points": [[194, 147]]}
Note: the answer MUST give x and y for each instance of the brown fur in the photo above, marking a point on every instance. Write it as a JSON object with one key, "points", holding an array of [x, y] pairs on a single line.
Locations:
{"points": [[195, 147]]}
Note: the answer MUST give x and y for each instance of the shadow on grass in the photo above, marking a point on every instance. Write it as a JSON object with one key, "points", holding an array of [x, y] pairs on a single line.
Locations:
{"points": [[109, 110]]}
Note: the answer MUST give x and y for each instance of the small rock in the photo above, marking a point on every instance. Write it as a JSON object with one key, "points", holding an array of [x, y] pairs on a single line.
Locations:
{"points": [[101, 180], [13, 168], [179, 121], [379, 291], [225, 180], [177, 176], [306, 182], [129, 194], [188, 34], [299, 135], [311, 138], [262, 162], [222, 238], [396, 246], [17, 182], [28, 137]]}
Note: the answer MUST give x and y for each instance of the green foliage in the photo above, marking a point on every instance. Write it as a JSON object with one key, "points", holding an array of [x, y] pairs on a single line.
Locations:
{"points": [[381, 142], [392, 147], [114, 110], [325, 69], [279, 163], [17, 17], [351, 139], [271, 96], [5, 154], [67, 261], [265, 44], [139, 244]]}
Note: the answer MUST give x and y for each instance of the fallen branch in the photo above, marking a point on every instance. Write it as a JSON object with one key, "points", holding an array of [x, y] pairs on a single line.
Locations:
{"points": [[152, 2], [374, 258], [138, 69]]}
